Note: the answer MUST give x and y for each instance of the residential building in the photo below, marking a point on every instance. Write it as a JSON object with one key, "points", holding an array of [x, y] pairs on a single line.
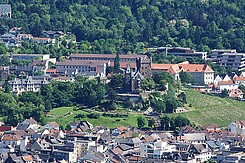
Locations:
{"points": [[239, 80], [15, 30], [31, 123], [7, 37], [29, 57], [52, 125], [201, 73], [235, 93], [183, 52], [234, 61], [5, 10], [201, 152], [4, 72], [79, 67], [63, 78], [195, 138], [237, 127], [25, 37], [53, 34], [10, 139], [216, 54], [228, 85], [43, 40], [157, 149], [27, 84]]}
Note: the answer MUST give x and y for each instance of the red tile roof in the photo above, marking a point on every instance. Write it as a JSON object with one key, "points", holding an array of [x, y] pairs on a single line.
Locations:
{"points": [[124, 65], [10, 137], [186, 67], [54, 71], [229, 82], [5, 128]]}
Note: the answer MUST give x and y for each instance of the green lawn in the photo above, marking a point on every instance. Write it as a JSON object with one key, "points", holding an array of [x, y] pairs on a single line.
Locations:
{"points": [[207, 109], [57, 115]]}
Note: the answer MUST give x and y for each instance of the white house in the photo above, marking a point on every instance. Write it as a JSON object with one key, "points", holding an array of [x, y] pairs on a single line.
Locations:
{"points": [[201, 152], [239, 80], [195, 138], [52, 125], [228, 85], [10, 139], [32, 124], [156, 149], [237, 127]]}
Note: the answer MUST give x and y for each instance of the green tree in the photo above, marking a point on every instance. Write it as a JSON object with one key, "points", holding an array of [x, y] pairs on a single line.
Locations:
{"points": [[151, 122], [117, 63], [141, 121], [186, 78]]}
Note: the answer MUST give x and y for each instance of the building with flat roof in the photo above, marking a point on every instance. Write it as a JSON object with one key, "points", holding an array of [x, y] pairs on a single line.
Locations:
{"points": [[187, 53], [30, 57], [234, 61], [217, 53]]}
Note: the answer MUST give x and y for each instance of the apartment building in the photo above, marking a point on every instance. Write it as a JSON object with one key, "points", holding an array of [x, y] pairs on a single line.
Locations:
{"points": [[234, 61], [183, 52], [29, 84], [156, 150], [82, 67], [217, 53]]}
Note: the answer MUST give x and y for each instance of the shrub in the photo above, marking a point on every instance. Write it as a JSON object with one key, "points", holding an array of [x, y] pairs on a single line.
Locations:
{"points": [[81, 116], [93, 115]]}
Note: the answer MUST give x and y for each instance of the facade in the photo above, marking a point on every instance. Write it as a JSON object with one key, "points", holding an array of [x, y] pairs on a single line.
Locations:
{"points": [[5, 10], [201, 73], [52, 125], [53, 34], [28, 84], [157, 149], [228, 85], [217, 53], [237, 127], [30, 57], [143, 61], [25, 37], [234, 61], [80, 67], [4, 72], [183, 52], [43, 40], [10, 139]]}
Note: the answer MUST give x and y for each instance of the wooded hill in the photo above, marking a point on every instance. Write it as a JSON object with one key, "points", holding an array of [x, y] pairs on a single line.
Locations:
{"points": [[131, 24]]}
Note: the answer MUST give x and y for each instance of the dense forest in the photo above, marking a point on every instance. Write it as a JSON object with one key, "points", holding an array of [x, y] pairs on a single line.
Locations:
{"points": [[110, 26]]}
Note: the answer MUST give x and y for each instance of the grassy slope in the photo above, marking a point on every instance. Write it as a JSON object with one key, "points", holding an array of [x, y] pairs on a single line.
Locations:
{"points": [[57, 113], [207, 109]]}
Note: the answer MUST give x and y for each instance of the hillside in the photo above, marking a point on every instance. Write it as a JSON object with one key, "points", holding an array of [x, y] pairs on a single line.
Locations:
{"points": [[64, 115], [208, 109], [104, 26]]}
